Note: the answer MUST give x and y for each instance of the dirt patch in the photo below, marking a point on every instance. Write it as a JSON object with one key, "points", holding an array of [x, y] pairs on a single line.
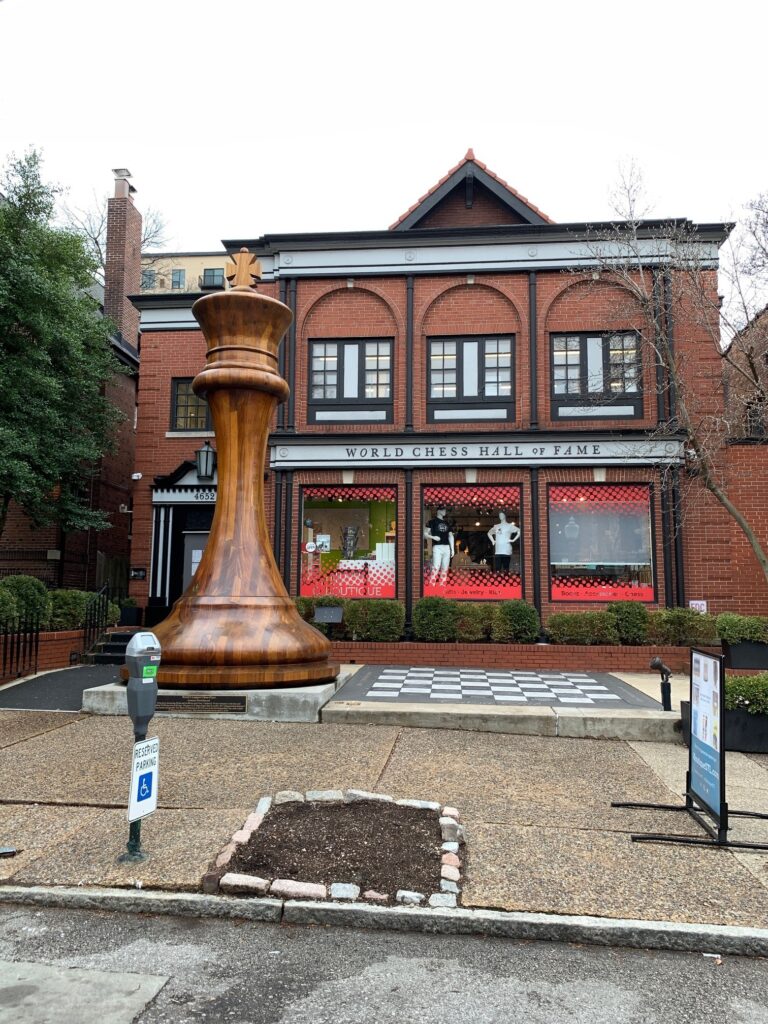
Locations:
{"points": [[375, 845]]}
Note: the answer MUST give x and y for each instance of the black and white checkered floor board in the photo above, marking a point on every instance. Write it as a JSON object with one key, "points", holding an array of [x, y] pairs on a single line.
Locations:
{"points": [[481, 686]]}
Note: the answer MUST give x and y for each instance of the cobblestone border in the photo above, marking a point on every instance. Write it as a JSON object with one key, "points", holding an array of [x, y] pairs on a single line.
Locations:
{"points": [[219, 879]]}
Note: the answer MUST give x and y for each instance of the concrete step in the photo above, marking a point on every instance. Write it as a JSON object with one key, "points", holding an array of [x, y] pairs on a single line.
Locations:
{"points": [[104, 658], [632, 724]]}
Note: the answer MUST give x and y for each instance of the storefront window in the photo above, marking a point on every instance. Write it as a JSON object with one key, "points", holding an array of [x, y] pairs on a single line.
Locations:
{"points": [[600, 543], [472, 543], [348, 542]]}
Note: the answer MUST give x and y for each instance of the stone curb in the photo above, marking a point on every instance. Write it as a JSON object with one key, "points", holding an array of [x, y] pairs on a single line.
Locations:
{"points": [[598, 931], [630, 724]]}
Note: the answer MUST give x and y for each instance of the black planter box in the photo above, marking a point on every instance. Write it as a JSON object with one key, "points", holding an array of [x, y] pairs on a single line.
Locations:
{"points": [[744, 732], [130, 616], [745, 654]]}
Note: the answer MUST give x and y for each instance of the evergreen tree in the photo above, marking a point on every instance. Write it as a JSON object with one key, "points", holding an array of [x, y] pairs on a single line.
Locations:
{"points": [[55, 359]]}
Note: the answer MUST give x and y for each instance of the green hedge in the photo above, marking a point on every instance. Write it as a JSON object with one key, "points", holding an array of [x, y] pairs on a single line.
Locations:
{"points": [[31, 596], [377, 620], [747, 693], [631, 622], [735, 628], [681, 627], [434, 620], [474, 621], [68, 608], [583, 628], [515, 622]]}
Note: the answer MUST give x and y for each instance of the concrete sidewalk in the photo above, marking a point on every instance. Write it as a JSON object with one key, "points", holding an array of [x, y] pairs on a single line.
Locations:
{"points": [[542, 834]]}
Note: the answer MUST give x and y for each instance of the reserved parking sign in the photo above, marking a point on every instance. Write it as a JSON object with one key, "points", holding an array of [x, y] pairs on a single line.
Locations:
{"points": [[145, 774]]}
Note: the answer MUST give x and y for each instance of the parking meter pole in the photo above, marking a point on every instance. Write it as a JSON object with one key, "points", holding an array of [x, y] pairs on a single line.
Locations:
{"points": [[142, 657]]}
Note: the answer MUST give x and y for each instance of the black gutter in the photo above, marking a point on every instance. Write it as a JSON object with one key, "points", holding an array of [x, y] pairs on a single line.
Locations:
{"points": [[677, 521], [536, 546], [408, 356], [288, 535], [532, 349], [658, 341], [670, 328], [281, 359], [278, 535], [408, 552], [291, 422], [666, 539]]}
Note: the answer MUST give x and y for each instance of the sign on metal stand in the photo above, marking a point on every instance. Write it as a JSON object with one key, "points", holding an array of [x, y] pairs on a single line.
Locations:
{"points": [[145, 774], [705, 779]]}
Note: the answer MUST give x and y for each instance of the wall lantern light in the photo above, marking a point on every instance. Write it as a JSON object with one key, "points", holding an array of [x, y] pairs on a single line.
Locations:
{"points": [[205, 459]]}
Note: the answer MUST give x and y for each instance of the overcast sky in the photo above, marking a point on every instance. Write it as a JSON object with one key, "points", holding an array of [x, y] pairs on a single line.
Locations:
{"points": [[243, 118]]}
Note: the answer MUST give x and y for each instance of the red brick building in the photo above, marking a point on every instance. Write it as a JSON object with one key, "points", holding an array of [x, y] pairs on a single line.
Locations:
{"points": [[473, 414]]}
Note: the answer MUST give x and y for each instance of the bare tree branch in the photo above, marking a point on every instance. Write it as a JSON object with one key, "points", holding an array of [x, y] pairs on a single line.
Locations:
{"points": [[91, 224]]}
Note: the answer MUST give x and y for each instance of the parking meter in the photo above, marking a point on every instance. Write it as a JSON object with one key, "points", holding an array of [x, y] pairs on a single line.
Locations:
{"points": [[142, 656]]}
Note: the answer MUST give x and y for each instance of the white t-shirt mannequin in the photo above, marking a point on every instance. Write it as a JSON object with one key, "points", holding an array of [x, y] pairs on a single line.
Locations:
{"points": [[502, 536]]}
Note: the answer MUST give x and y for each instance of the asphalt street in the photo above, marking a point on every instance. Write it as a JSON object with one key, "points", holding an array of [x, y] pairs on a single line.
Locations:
{"points": [[186, 971]]}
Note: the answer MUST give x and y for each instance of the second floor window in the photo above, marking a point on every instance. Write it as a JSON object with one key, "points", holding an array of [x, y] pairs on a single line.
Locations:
{"points": [[596, 375], [475, 373], [178, 278], [213, 277], [148, 278], [355, 376], [188, 412]]}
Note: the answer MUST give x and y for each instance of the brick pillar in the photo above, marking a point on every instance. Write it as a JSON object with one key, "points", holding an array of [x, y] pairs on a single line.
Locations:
{"points": [[122, 275]]}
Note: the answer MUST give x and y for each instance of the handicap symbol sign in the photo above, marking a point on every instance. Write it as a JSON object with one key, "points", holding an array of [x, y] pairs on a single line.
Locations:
{"points": [[144, 791]]}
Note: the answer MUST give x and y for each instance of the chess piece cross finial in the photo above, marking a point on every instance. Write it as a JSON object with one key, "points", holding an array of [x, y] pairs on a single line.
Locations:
{"points": [[246, 270]]}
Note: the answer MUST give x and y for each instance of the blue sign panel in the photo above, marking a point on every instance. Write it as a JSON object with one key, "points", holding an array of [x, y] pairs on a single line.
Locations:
{"points": [[706, 757], [144, 787]]}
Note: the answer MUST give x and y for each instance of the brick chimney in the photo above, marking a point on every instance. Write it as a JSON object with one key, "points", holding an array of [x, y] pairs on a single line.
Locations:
{"points": [[122, 274]]}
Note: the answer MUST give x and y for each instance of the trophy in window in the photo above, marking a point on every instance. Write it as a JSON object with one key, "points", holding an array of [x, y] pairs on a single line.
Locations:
{"points": [[349, 535]]}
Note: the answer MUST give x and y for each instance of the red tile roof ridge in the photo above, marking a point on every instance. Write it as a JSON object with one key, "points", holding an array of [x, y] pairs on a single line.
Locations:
{"points": [[470, 158]]}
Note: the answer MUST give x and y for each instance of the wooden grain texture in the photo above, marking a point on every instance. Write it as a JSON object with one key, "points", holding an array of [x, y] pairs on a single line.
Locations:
{"points": [[235, 626]]}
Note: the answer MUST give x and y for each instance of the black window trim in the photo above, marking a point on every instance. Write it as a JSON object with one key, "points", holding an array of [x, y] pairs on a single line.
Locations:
{"points": [[361, 402], [592, 398], [481, 399], [183, 282], [214, 272], [175, 381]]}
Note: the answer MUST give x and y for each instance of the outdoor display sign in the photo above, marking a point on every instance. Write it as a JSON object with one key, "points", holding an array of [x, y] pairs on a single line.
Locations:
{"points": [[706, 766], [705, 780], [145, 773]]}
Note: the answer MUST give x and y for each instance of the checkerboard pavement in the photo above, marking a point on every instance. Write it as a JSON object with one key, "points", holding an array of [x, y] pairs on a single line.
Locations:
{"points": [[499, 687]]}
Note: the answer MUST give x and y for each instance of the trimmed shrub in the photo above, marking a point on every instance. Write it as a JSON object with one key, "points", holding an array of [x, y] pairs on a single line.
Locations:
{"points": [[113, 613], [515, 622], [747, 693], [8, 609], [32, 598], [681, 627], [434, 619], [375, 619], [631, 621], [305, 607], [474, 621], [583, 628], [68, 609], [735, 628]]}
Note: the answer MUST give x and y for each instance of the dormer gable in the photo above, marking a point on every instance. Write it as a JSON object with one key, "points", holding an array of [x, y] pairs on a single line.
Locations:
{"points": [[470, 195]]}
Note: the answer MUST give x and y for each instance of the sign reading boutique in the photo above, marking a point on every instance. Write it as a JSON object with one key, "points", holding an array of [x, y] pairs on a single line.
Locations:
{"points": [[546, 451]]}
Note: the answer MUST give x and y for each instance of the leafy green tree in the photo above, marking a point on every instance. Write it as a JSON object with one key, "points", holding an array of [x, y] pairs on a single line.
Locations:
{"points": [[55, 359]]}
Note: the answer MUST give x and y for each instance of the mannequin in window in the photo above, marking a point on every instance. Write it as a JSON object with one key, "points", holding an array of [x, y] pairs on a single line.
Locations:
{"points": [[503, 535], [439, 532]]}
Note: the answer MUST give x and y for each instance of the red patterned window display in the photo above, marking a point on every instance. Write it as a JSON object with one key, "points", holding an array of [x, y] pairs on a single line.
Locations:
{"points": [[349, 537], [472, 542], [600, 543]]}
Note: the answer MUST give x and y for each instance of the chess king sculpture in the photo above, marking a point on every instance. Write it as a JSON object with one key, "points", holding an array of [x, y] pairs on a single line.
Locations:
{"points": [[235, 627]]}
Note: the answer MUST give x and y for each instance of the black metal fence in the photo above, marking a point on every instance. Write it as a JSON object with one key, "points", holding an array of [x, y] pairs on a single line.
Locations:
{"points": [[19, 649], [96, 615]]}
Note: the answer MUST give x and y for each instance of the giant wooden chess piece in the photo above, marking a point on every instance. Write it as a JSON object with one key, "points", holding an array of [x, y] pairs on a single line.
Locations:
{"points": [[235, 626]]}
